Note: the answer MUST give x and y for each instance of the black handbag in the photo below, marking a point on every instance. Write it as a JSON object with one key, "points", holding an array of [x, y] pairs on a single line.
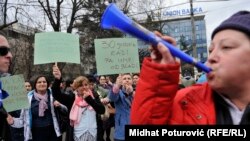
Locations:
{"points": [[62, 118]]}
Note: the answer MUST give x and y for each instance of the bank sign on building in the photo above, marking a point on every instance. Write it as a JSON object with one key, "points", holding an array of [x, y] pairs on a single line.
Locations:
{"points": [[181, 12]]}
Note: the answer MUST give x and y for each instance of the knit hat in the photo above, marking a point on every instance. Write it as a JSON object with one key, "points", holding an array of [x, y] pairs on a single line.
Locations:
{"points": [[239, 21]]}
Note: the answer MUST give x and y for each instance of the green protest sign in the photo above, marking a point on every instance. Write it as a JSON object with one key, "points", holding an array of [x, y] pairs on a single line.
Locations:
{"points": [[53, 47], [116, 55], [17, 99]]}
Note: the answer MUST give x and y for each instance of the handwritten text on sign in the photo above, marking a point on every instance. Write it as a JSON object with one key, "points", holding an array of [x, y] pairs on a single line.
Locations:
{"points": [[17, 99], [117, 55]]}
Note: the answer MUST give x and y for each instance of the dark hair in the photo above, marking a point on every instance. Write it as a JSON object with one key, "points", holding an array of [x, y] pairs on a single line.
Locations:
{"points": [[91, 79], [26, 81], [68, 82], [137, 74], [101, 76], [35, 81]]}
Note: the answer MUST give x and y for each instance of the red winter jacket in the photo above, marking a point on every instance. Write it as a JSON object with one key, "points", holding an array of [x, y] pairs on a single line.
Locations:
{"points": [[158, 101]]}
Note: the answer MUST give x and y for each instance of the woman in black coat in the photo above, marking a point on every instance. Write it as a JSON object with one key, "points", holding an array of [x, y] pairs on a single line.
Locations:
{"points": [[69, 99]]}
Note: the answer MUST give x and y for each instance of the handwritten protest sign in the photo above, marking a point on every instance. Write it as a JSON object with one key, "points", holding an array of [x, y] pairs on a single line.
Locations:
{"points": [[17, 99], [53, 47], [116, 55]]}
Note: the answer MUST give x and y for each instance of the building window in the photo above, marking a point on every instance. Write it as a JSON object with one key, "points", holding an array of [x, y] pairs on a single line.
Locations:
{"points": [[198, 37], [204, 54], [176, 29], [197, 27], [165, 31], [177, 38], [180, 29], [199, 57]]}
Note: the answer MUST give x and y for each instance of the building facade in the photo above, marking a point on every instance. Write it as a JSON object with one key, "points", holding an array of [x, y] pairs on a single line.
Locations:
{"points": [[181, 30]]}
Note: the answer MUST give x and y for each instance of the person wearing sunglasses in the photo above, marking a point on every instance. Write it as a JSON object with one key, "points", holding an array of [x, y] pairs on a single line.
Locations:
{"points": [[5, 59], [5, 55]]}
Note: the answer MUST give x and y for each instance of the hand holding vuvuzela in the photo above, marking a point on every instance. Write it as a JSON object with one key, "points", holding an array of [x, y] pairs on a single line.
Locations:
{"points": [[161, 54], [113, 18]]}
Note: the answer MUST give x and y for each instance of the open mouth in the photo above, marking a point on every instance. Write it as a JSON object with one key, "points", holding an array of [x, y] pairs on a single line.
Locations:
{"points": [[211, 75]]}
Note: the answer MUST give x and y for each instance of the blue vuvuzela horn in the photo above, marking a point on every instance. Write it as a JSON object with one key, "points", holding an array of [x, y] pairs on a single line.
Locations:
{"points": [[114, 18]]}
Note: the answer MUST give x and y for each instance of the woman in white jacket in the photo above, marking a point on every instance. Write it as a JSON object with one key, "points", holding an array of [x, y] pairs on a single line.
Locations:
{"points": [[39, 120]]}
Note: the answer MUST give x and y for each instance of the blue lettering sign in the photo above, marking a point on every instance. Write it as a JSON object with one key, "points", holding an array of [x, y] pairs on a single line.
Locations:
{"points": [[182, 12]]}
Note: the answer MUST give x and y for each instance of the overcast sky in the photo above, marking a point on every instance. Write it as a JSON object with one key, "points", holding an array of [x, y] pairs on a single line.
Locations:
{"points": [[219, 13]]}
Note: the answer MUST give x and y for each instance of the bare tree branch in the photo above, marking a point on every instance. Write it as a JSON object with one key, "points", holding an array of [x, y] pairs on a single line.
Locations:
{"points": [[6, 25]]}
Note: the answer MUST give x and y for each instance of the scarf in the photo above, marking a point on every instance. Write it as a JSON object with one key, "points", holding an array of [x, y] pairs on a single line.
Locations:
{"points": [[43, 99], [78, 108]]}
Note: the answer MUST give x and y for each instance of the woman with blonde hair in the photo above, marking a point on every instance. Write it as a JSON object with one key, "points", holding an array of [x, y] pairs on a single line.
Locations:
{"points": [[83, 105]]}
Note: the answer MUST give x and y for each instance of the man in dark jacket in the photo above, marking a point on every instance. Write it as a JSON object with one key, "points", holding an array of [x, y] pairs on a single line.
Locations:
{"points": [[5, 59]]}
